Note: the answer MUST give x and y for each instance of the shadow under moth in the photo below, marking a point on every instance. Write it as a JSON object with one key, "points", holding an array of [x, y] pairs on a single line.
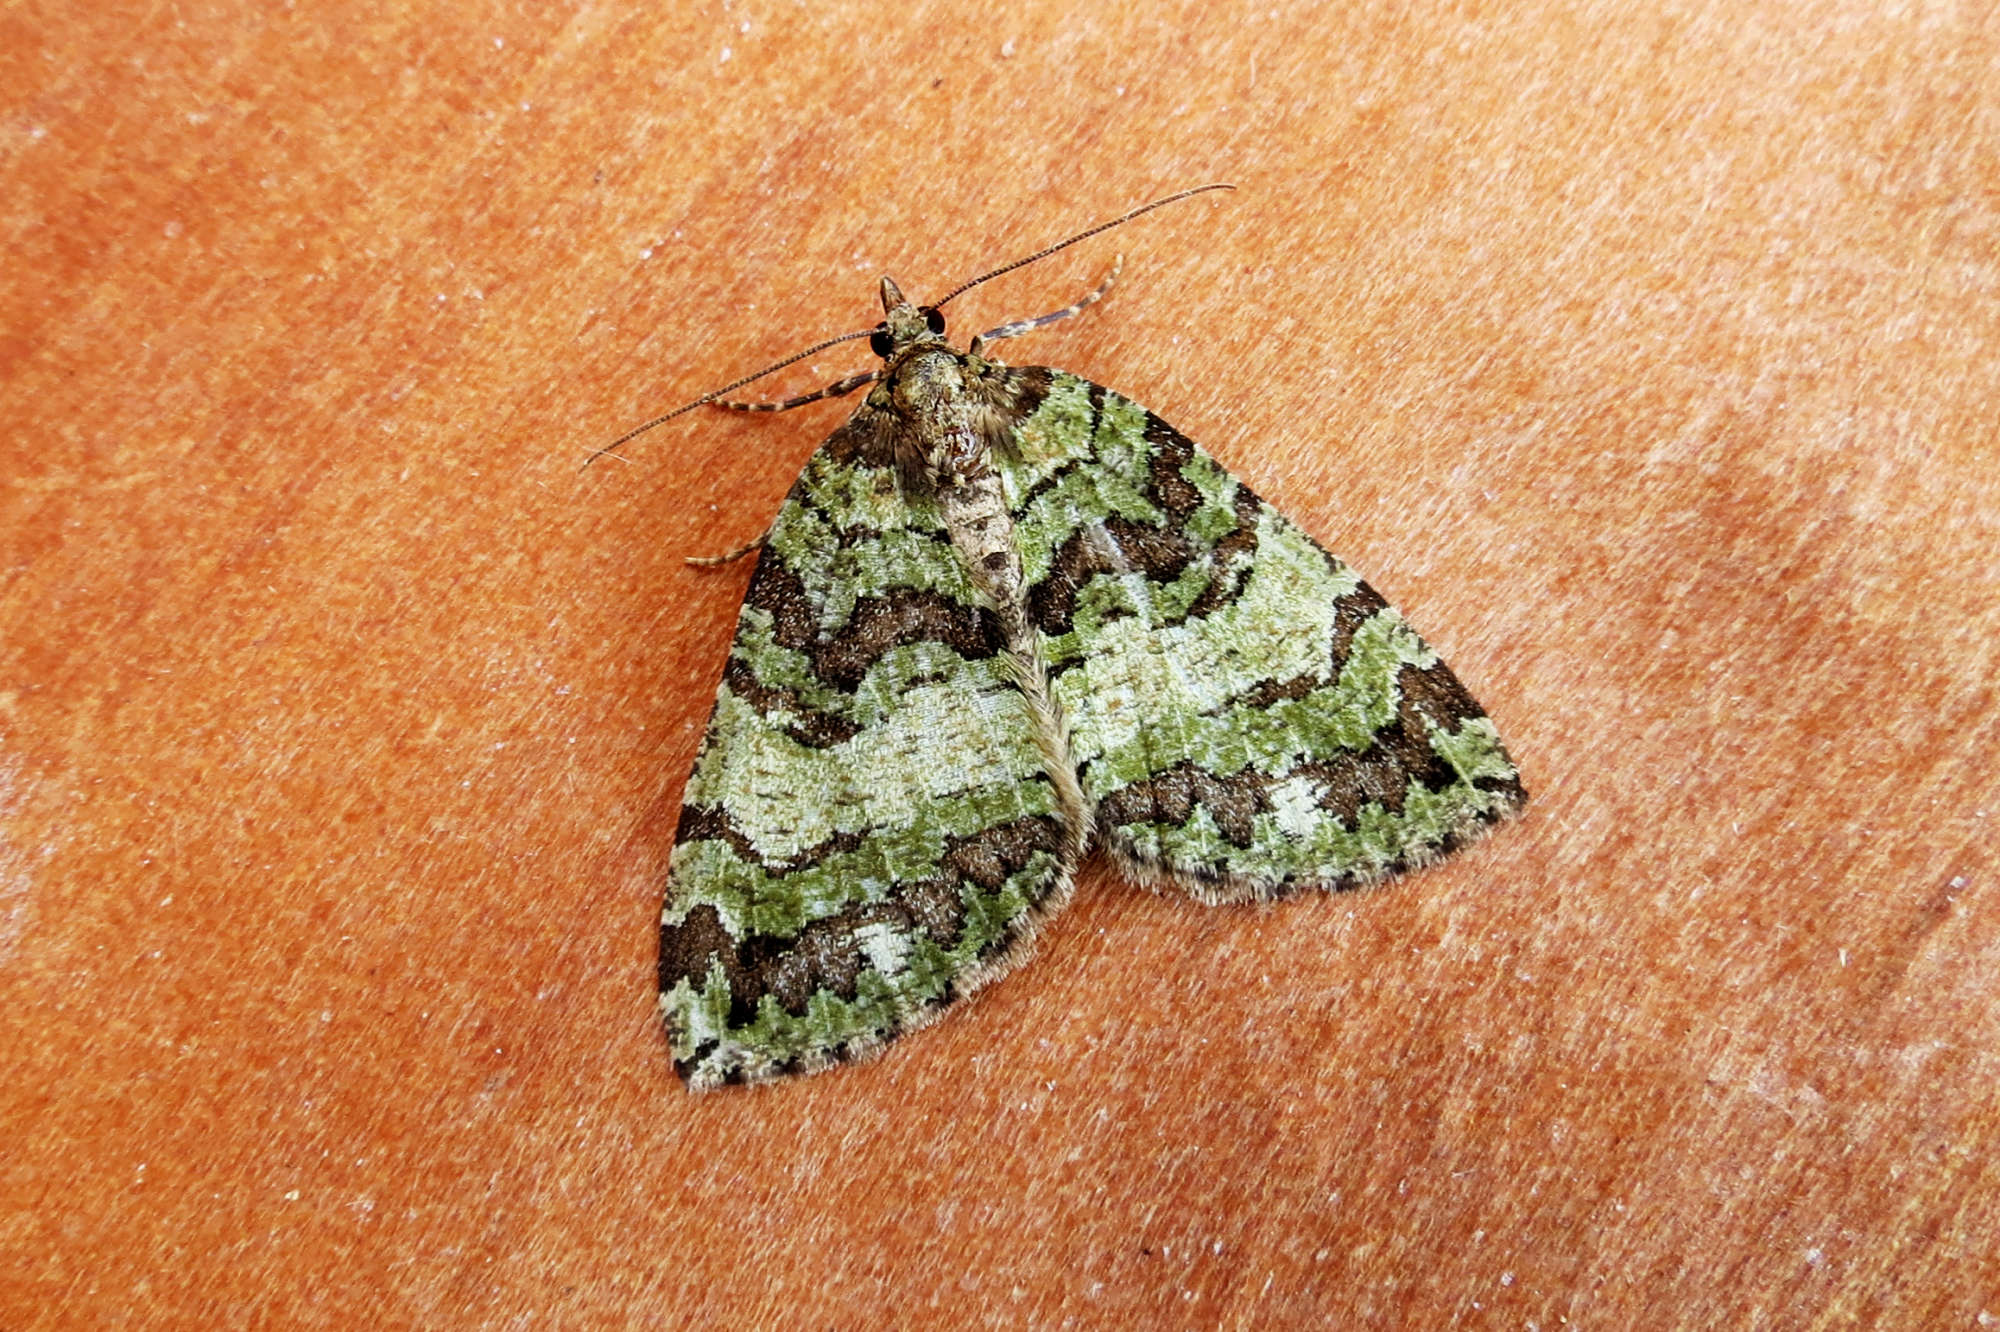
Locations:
{"points": [[1006, 615]]}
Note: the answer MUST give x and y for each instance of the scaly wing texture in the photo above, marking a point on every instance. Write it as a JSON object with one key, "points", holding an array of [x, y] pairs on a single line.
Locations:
{"points": [[869, 831], [1249, 717]]}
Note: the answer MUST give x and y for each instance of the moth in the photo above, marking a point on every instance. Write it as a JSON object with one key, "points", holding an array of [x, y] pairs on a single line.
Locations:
{"points": [[1004, 616]]}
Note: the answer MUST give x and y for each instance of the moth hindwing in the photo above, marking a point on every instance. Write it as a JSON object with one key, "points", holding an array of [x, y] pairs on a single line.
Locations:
{"points": [[1003, 616]]}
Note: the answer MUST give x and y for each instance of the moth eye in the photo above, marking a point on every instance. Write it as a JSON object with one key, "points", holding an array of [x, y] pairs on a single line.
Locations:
{"points": [[880, 342], [934, 319]]}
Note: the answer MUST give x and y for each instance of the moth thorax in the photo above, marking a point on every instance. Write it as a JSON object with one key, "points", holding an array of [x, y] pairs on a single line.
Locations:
{"points": [[926, 382], [957, 458]]}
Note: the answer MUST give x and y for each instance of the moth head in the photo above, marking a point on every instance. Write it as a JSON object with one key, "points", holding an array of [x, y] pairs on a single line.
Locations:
{"points": [[902, 323]]}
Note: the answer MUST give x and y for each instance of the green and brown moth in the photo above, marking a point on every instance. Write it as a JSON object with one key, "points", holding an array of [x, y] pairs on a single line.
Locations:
{"points": [[1004, 616]]}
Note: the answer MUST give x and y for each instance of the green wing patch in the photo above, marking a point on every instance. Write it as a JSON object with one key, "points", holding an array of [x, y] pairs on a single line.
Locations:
{"points": [[1249, 718], [870, 829]]}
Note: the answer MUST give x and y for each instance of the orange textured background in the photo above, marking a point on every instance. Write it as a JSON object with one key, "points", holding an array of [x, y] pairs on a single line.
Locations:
{"points": [[1649, 361]]}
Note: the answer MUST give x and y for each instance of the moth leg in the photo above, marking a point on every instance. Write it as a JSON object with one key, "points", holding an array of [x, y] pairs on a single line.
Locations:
{"points": [[1020, 326], [717, 561], [839, 388]]}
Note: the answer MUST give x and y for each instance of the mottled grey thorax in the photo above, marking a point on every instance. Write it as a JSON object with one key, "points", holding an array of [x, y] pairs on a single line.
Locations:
{"points": [[941, 420], [938, 413]]}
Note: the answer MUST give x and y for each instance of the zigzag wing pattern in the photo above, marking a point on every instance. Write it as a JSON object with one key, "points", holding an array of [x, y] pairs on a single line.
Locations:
{"points": [[870, 830], [1248, 716]]}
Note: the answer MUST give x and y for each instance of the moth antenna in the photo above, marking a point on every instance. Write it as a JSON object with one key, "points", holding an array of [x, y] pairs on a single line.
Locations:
{"points": [[711, 396], [958, 291], [962, 288]]}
